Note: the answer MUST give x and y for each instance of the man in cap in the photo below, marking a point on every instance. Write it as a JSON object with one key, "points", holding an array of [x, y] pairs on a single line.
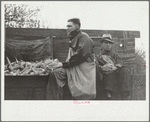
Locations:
{"points": [[79, 70], [115, 75]]}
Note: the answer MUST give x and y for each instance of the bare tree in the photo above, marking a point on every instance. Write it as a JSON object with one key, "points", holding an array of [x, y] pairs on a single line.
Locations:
{"points": [[21, 16]]}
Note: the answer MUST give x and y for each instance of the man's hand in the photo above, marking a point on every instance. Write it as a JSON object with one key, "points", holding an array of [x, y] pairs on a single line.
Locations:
{"points": [[118, 65], [66, 64], [108, 68]]}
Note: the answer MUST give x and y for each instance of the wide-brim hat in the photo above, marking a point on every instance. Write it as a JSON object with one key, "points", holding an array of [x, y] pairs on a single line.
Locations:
{"points": [[107, 37]]}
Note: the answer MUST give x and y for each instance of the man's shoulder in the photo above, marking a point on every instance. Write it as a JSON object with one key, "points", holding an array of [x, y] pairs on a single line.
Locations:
{"points": [[85, 35]]}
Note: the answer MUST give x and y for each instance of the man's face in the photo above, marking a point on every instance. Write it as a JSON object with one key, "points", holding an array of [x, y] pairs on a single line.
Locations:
{"points": [[107, 45], [71, 27]]}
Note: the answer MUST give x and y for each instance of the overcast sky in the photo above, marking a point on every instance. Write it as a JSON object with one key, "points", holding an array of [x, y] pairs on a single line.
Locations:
{"points": [[100, 15]]}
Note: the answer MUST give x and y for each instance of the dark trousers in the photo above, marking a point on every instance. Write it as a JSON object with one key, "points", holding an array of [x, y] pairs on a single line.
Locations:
{"points": [[117, 81]]}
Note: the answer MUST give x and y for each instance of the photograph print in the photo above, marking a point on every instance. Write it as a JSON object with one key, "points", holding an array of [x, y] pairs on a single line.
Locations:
{"points": [[65, 53]]}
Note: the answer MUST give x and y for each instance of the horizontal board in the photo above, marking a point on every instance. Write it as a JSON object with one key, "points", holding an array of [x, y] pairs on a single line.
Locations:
{"points": [[130, 47], [35, 32], [128, 63], [18, 37], [61, 41], [63, 33], [133, 34], [131, 63], [128, 59], [25, 81], [25, 93], [128, 42], [60, 58], [121, 49], [131, 43], [126, 48], [130, 39], [39, 94], [126, 55], [61, 51], [59, 45], [18, 93], [127, 39], [128, 51]]}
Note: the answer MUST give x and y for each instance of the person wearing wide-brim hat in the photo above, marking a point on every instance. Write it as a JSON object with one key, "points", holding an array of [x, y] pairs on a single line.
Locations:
{"points": [[115, 75], [106, 42], [107, 38]]}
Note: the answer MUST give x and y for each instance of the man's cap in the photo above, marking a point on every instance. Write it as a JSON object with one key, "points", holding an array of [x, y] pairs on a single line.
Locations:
{"points": [[107, 37]]}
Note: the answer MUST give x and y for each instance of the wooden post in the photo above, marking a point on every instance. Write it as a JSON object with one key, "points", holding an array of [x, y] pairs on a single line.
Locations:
{"points": [[51, 46], [125, 40]]}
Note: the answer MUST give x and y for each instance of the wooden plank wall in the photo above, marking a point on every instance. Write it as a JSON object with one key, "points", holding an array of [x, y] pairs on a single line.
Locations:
{"points": [[61, 46], [25, 87], [60, 41], [63, 33]]}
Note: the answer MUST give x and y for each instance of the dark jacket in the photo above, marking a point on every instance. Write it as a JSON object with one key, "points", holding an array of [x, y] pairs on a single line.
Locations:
{"points": [[118, 79], [83, 45]]}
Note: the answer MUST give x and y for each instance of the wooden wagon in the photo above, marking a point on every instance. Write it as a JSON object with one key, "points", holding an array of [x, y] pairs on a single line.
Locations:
{"points": [[34, 87]]}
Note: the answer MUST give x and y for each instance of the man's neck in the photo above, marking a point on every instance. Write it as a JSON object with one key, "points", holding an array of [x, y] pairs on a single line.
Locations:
{"points": [[73, 34], [106, 52]]}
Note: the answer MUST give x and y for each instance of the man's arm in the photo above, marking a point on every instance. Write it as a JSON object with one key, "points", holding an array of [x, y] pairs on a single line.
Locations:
{"points": [[106, 64], [119, 62], [82, 53]]}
